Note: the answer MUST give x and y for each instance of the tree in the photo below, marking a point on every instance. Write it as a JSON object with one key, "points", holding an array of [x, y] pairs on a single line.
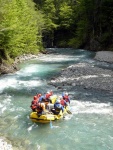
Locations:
{"points": [[20, 28]]}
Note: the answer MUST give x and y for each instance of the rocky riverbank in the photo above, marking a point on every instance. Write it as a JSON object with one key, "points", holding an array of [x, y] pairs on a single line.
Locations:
{"points": [[86, 75], [106, 56], [7, 68]]}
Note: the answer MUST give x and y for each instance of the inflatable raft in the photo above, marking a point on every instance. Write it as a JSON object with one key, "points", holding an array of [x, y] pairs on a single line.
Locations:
{"points": [[49, 116], [46, 118]]}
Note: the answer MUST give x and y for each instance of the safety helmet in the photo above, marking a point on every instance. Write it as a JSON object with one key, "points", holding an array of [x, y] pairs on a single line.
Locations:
{"points": [[66, 93], [35, 97]]}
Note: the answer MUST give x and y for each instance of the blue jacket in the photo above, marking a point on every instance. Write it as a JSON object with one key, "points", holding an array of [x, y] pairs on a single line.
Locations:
{"points": [[41, 98], [58, 106]]}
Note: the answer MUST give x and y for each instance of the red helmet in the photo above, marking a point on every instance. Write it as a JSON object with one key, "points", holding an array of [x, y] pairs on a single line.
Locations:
{"points": [[35, 97]]}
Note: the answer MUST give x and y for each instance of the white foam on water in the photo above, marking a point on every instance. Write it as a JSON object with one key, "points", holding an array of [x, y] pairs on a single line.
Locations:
{"points": [[4, 145], [55, 127], [68, 117], [30, 83], [5, 104], [7, 82], [58, 58], [106, 75], [51, 125], [38, 147], [20, 109], [91, 108], [18, 116], [28, 70], [30, 128], [14, 83], [3, 109]]}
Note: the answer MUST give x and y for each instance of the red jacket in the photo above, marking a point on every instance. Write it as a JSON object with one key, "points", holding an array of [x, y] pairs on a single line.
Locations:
{"points": [[63, 102]]}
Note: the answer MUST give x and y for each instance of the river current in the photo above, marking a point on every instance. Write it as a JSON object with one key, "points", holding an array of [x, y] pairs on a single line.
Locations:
{"points": [[88, 128]]}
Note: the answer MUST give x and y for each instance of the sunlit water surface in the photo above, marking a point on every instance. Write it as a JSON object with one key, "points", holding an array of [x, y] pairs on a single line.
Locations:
{"points": [[88, 128]]}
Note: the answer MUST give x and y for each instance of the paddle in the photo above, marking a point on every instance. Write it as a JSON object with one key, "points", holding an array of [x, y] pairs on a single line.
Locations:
{"points": [[69, 112], [51, 126]]}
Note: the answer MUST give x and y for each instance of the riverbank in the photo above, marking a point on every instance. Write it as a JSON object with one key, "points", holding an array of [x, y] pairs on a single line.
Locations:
{"points": [[6, 68], [81, 74], [106, 56], [87, 75]]}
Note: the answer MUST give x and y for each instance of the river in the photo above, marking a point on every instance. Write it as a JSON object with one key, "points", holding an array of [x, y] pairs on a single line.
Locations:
{"points": [[88, 128]]}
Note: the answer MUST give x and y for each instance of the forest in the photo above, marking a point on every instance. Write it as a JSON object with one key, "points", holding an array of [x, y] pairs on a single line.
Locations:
{"points": [[28, 26]]}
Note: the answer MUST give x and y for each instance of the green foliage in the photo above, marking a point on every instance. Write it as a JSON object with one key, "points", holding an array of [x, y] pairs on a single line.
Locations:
{"points": [[20, 28], [94, 20], [58, 16], [72, 23], [65, 15]]}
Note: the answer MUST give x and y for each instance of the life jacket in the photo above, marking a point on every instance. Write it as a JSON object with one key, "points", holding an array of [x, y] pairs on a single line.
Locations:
{"points": [[33, 107], [63, 102], [66, 98], [47, 96], [34, 104], [35, 97], [39, 95]]}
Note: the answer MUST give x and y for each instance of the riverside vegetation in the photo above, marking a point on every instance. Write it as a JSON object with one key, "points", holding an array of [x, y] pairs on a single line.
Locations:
{"points": [[27, 26]]}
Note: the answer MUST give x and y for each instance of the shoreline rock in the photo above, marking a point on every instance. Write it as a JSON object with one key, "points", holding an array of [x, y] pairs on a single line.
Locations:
{"points": [[6, 68], [85, 75]]}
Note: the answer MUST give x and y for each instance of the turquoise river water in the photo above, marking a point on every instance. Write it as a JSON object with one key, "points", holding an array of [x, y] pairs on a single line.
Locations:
{"points": [[90, 127]]}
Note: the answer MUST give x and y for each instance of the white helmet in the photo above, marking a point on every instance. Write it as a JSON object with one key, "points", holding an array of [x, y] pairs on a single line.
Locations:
{"points": [[66, 93]]}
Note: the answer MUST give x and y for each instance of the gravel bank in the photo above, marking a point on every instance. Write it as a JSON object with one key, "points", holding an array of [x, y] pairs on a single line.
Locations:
{"points": [[86, 75], [106, 56]]}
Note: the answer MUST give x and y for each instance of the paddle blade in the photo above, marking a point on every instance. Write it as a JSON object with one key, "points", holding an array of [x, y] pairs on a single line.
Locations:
{"points": [[69, 112]]}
